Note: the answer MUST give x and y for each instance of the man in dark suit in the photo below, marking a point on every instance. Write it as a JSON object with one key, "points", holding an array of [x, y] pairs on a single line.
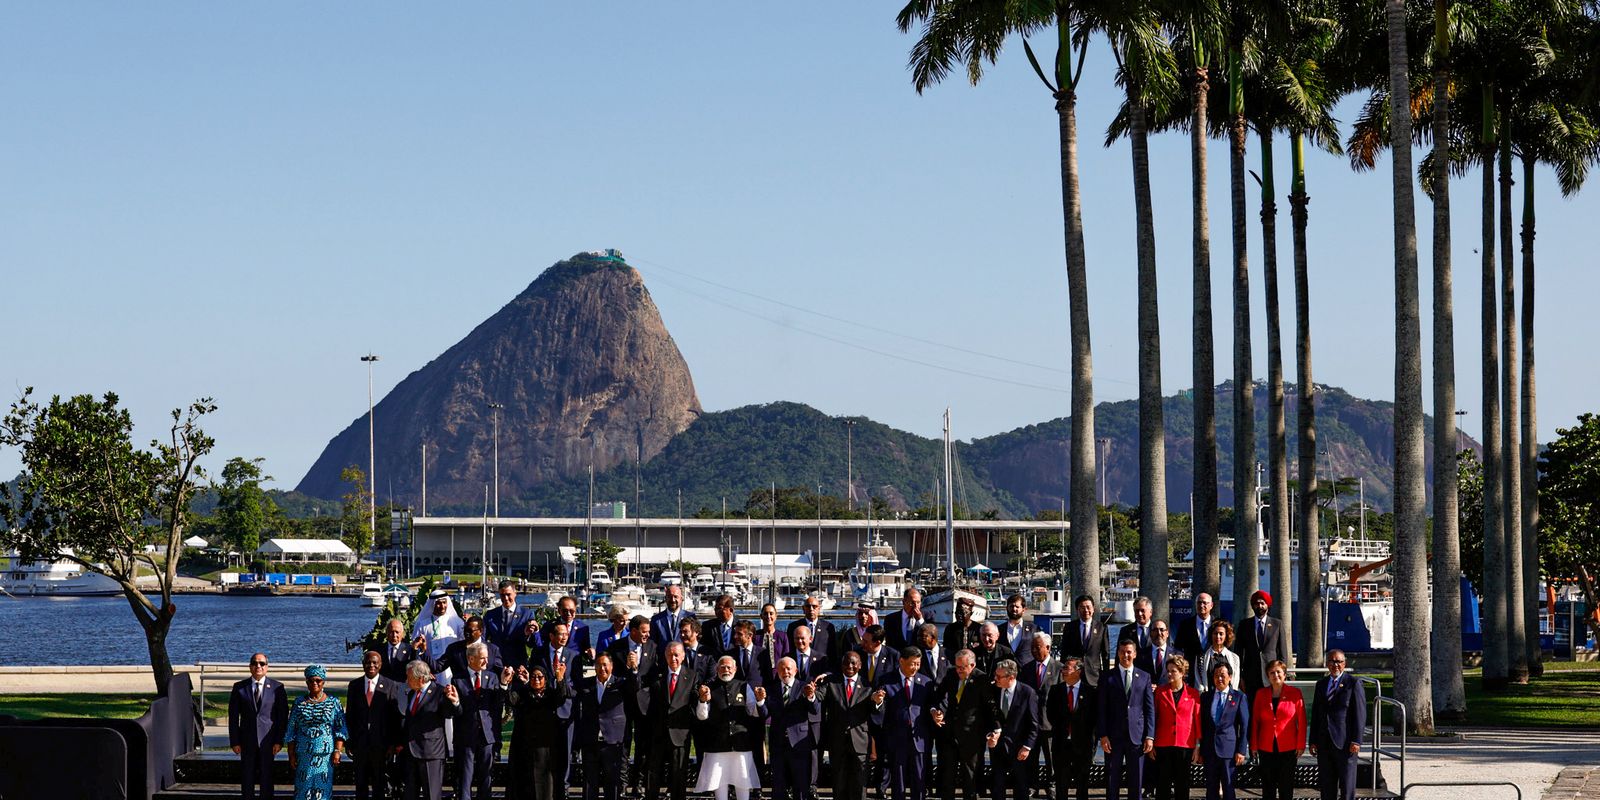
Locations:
{"points": [[373, 722], [1338, 715], [694, 652], [903, 711], [396, 651], [556, 648], [716, 634], [258, 713], [901, 626], [503, 627], [1153, 657], [668, 701], [794, 717], [1127, 722], [1039, 671], [1086, 638], [1139, 632], [577, 630], [1073, 712], [849, 637], [602, 728], [454, 657], [746, 654], [810, 662], [847, 726], [964, 713], [635, 659], [1012, 742], [1224, 731], [1191, 633], [991, 651], [480, 700], [877, 662], [664, 625], [1260, 641], [963, 632], [424, 707], [935, 659], [1017, 633], [824, 638]]}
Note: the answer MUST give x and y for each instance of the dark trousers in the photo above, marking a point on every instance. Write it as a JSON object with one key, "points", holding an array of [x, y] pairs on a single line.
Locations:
{"points": [[668, 763], [1123, 768], [540, 779], [424, 778], [960, 764], [1336, 772], [1040, 758], [1171, 776], [256, 764], [1219, 778], [474, 770], [633, 736], [1010, 773], [906, 774], [602, 771], [1277, 775], [1072, 770], [849, 773], [791, 771], [372, 772]]}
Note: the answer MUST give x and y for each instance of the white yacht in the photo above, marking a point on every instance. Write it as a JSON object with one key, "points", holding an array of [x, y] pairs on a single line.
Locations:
{"points": [[670, 577], [52, 579], [600, 580], [877, 575], [635, 599], [372, 595]]}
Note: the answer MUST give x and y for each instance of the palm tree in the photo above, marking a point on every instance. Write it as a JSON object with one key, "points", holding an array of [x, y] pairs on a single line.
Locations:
{"points": [[955, 33], [1511, 465], [1412, 684]]}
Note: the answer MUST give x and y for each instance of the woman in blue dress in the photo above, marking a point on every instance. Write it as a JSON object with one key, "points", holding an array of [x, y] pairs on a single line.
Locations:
{"points": [[315, 738]]}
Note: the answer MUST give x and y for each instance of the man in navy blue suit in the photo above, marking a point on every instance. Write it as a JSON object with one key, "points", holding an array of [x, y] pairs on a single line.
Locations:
{"points": [[664, 625], [479, 699], [602, 728], [557, 647], [1224, 732], [396, 651], [824, 639], [1012, 744], [1127, 721], [258, 713], [795, 724], [577, 630], [502, 626], [1338, 715], [903, 713], [716, 634], [877, 663]]}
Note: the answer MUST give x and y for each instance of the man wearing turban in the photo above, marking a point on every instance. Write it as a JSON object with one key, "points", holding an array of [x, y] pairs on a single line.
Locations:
{"points": [[1260, 642]]}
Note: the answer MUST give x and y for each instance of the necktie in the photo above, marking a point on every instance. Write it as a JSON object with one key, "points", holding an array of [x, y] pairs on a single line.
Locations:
{"points": [[416, 700], [672, 684], [1144, 637], [908, 693], [1261, 632], [1083, 628], [369, 691], [849, 691], [394, 652], [1041, 674], [1127, 681], [1155, 660], [1072, 702], [804, 660], [786, 688], [727, 634], [258, 695], [960, 687], [1216, 708], [872, 669], [1333, 683], [1005, 702], [477, 682]]}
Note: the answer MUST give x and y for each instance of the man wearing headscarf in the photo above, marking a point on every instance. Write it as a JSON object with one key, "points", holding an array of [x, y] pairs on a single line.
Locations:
{"points": [[1260, 642], [437, 626]]}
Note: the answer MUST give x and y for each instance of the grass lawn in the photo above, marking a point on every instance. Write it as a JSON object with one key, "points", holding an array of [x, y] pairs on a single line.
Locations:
{"points": [[1566, 696], [103, 706]]}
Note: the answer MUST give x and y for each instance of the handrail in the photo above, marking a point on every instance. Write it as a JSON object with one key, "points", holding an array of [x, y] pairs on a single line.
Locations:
{"points": [[228, 669], [1377, 736], [1406, 789]]}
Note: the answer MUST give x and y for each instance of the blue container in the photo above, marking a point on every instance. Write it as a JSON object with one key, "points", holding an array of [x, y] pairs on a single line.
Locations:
{"points": [[301, 580], [324, 580], [277, 578]]}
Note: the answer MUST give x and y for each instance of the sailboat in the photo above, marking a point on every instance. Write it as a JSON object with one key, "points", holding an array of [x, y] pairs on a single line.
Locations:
{"points": [[939, 602]]}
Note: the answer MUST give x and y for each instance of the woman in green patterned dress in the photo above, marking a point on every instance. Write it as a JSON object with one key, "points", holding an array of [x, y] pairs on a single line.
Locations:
{"points": [[315, 738]]}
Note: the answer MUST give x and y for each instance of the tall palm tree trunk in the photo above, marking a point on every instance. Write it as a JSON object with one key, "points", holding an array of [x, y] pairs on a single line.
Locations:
{"points": [[1085, 525], [1203, 511], [1277, 447], [1311, 625], [1153, 556], [1530, 434], [1511, 464], [1411, 651], [1246, 543], [1496, 660], [1449, 694]]}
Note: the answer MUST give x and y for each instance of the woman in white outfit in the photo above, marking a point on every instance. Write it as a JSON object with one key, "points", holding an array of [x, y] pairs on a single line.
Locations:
{"points": [[732, 707], [1218, 640]]}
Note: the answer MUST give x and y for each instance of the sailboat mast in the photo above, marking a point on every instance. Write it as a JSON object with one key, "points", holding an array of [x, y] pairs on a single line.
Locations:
{"points": [[949, 508]]}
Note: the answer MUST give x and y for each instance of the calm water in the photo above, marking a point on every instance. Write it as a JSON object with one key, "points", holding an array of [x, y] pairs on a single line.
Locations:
{"points": [[102, 630]]}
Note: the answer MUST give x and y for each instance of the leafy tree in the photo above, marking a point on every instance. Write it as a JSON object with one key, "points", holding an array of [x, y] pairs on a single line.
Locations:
{"points": [[88, 495], [243, 509], [605, 553], [1569, 505], [1469, 490], [356, 519]]}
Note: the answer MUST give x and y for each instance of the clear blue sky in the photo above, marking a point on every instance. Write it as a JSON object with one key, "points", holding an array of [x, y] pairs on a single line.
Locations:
{"points": [[238, 200]]}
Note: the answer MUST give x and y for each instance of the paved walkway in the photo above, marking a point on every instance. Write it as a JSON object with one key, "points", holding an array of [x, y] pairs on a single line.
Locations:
{"points": [[1530, 759], [1574, 783]]}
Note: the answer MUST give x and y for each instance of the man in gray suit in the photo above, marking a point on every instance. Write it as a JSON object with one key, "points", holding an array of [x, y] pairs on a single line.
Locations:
{"points": [[424, 707], [258, 713]]}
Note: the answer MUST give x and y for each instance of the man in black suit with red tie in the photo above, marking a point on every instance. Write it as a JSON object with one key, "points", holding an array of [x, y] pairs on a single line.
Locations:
{"points": [[1338, 715], [373, 721], [847, 726], [480, 701], [669, 700], [424, 707], [258, 714], [1073, 714]]}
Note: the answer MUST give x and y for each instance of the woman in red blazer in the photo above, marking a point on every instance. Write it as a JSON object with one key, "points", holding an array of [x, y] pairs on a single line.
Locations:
{"points": [[1177, 731], [1277, 732]]}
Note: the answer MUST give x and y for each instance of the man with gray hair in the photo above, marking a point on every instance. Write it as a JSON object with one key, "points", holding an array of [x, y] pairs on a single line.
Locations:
{"points": [[424, 707], [668, 700], [1013, 740], [964, 712], [479, 697], [1040, 671], [990, 650]]}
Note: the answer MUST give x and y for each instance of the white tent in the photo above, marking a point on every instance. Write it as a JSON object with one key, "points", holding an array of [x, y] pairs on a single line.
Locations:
{"points": [[305, 550], [195, 541]]}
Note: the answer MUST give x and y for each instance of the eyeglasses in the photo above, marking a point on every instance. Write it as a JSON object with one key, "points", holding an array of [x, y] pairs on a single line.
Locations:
{"points": [[1336, 663], [258, 663]]}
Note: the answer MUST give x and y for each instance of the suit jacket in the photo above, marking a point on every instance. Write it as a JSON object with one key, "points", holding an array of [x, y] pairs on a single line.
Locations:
{"points": [[713, 632], [1255, 653], [1023, 641], [1127, 713], [815, 664], [543, 657], [894, 631], [1231, 736], [577, 636], [986, 659], [846, 721], [779, 645], [395, 659], [1189, 638], [747, 664], [663, 629], [1154, 661], [904, 717], [423, 730], [845, 639], [603, 716], [1019, 725], [934, 665], [1337, 721], [796, 723], [504, 630], [1028, 673], [1177, 722], [1281, 730], [607, 637], [958, 636], [700, 661], [374, 726], [670, 714], [970, 712], [1072, 729], [253, 727], [480, 710], [649, 657], [884, 666], [454, 658], [1096, 654], [824, 637]]}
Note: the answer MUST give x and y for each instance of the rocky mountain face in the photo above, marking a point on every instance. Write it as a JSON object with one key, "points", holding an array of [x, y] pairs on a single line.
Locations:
{"points": [[583, 367]]}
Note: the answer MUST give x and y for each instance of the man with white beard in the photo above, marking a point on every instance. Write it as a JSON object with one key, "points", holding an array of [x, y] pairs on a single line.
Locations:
{"points": [[729, 710]]}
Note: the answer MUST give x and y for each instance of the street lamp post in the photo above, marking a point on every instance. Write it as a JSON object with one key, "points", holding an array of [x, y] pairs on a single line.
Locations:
{"points": [[494, 413], [372, 451], [1460, 445], [849, 463]]}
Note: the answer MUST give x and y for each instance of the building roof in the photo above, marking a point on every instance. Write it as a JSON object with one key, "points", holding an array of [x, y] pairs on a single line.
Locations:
{"points": [[308, 546], [195, 541], [654, 556]]}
